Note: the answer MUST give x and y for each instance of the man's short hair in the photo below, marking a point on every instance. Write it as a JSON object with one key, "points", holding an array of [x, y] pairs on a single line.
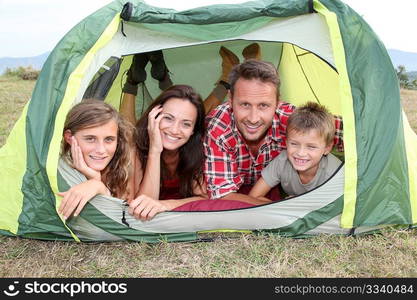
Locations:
{"points": [[313, 116], [254, 69]]}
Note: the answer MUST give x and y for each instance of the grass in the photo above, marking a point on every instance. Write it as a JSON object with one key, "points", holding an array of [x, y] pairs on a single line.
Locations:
{"points": [[390, 253], [409, 102], [14, 93]]}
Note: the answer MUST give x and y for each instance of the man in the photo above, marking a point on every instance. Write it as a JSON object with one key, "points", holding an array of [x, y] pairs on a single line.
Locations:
{"points": [[247, 132]]}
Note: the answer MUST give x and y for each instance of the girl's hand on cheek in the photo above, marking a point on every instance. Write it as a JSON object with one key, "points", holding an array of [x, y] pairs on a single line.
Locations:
{"points": [[79, 162]]}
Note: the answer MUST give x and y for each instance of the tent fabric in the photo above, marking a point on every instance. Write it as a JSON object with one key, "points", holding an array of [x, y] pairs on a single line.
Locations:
{"points": [[375, 92], [185, 52], [309, 214], [306, 211], [324, 52]]}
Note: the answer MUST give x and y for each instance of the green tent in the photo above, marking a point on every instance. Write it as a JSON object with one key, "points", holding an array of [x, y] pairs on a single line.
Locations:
{"points": [[324, 52]]}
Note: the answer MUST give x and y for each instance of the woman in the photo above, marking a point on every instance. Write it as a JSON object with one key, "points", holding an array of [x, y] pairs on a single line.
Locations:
{"points": [[96, 143], [170, 156]]}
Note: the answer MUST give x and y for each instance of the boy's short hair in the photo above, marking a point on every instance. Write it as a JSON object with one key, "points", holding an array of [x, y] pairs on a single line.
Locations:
{"points": [[313, 116]]}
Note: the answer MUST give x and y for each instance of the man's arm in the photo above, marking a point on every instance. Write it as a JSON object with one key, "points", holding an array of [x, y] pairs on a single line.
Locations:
{"points": [[221, 168], [222, 174]]}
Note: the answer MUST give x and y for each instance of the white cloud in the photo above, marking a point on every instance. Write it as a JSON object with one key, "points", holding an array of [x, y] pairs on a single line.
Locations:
{"points": [[395, 22], [29, 28]]}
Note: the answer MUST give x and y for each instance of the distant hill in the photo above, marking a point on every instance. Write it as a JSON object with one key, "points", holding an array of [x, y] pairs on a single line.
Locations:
{"points": [[13, 62], [407, 59]]}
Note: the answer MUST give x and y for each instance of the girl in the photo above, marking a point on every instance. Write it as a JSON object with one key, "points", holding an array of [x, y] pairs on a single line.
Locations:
{"points": [[96, 142]]}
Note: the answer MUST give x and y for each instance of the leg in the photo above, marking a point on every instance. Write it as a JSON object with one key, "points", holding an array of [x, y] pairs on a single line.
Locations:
{"points": [[216, 97], [127, 107], [253, 51], [135, 75], [159, 70]]}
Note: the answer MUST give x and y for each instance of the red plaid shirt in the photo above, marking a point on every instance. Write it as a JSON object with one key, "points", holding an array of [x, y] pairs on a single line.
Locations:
{"points": [[229, 163]]}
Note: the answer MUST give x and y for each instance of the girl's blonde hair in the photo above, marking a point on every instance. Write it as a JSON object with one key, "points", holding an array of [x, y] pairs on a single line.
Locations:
{"points": [[92, 113]]}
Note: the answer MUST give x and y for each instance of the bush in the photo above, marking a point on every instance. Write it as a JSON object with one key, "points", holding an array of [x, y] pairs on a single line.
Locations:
{"points": [[30, 74], [26, 73]]}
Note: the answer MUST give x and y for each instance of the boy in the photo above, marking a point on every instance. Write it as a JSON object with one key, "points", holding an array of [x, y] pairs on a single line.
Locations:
{"points": [[307, 162]]}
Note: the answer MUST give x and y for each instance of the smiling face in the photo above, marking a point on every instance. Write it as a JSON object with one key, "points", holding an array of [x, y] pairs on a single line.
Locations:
{"points": [[305, 150], [177, 124], [98, 144], [254, 103]]}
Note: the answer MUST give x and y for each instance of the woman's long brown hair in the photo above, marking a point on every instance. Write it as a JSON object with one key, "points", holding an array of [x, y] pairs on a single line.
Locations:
{"points": [[191, 155]]}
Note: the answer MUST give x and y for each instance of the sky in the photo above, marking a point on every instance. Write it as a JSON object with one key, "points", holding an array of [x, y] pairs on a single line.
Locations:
{"points": [[32, 27]]}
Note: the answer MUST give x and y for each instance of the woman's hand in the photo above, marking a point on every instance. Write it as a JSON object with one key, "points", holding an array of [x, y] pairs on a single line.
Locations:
{"points": [[145, 208], [77, 196], [79, 162], [154, 118]]}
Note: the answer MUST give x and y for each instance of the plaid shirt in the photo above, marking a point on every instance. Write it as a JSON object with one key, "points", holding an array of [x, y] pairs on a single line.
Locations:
{"points": [[229, 163]]}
